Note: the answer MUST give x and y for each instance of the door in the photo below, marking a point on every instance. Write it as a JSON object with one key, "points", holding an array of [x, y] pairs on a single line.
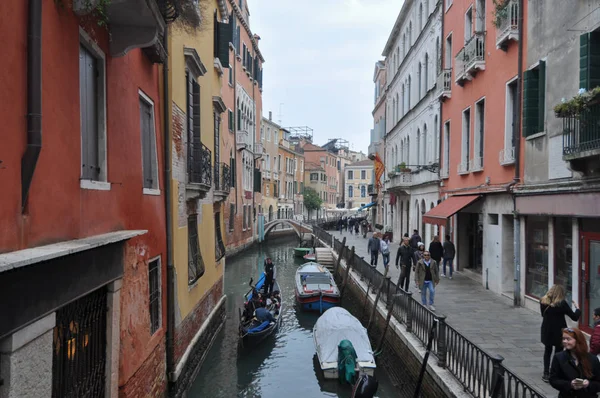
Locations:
{"points": [[590, 272]]}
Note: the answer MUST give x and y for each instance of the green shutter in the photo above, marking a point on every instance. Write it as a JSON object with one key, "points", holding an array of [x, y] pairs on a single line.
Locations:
{"points": [[196, 110], [541, 95], [232, 169], [257, 180], [530, 102], [584, 58], [224, 38], [594, 65]]}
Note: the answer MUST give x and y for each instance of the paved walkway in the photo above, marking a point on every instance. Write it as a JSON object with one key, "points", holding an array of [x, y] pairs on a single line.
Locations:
{"points": [[482, 316]]}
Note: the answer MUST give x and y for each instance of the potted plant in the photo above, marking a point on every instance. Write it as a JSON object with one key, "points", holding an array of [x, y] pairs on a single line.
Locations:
{"points": [[500, 12], [403, 169], [576, 105]]}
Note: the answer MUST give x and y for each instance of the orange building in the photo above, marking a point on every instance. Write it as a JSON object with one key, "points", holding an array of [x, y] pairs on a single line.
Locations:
{"points": [[478, 86]]}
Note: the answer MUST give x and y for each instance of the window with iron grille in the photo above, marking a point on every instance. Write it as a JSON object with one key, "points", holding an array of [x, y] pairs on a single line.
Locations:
{"points": [[219, 246], [231, 217], [154, 293], [148, 132], [194, 161], [195, 262]]}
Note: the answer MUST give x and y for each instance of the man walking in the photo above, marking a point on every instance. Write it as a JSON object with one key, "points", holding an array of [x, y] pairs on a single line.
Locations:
{"points": [[404, 258], [270, 274], [449, 253], [373, 246], [427, 276], [415, 239]]}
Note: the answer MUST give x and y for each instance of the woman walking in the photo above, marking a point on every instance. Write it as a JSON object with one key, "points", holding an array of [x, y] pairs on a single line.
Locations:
{"points": [[385, 250], [575, 372], [554, 308]]}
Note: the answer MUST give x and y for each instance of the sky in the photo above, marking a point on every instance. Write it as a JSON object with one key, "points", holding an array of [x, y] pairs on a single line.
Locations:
{"points": [[319, 62]]}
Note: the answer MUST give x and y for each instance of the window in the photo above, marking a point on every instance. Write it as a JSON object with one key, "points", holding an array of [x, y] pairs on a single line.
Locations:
{"points": [[149, 155], [563, 254], [448, 54], [92, 101], [420, 17], [314, 176], [154, 283], [466, 139], [468, 24], [219, 246], [350, 191], [479, 134], [231, 76], [448, 4], [195, 263], [350, 174], [438, 59], [426, 73], [424, 144], [419, 147], [193, 129], [408, 95], [419, 81], [589, 60], [480, 13], [510, 124], [363, 191], [536, 272], [436, 140], [363, 174], [231, 217], [217, 150], [492, 219], [230, 119], [244, 219], [534, 99]]}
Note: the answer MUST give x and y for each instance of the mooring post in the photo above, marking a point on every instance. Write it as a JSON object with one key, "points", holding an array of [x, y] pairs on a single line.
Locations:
{"points": [[409, 315], [347, 274], [340, 255], [497, 377], [377, 299], [441, 341]]}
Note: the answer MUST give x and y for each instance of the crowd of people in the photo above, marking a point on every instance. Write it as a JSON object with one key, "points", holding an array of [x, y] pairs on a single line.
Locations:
{"points": [[412, 256]]}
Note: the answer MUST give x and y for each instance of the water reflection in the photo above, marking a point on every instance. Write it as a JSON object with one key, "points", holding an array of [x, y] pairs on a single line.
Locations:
{"points": [[281, 366]]}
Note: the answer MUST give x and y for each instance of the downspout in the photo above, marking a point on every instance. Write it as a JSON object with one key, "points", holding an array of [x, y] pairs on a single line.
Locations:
{"points": [[235, 123], [517, 178], [171, 280], [254, 212], [34, 99]]}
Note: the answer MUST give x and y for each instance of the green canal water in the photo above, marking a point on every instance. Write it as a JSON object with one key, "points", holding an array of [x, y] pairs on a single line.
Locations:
{"points": [[283, 365]]}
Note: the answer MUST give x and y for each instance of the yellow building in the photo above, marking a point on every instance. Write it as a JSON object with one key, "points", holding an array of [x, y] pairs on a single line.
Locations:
{"points": [[200, 182], [315, 177], [358, 176], [269, 135]]}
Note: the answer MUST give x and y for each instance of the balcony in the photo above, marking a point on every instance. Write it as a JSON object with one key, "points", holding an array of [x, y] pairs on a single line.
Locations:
{"points": [[266, 174], [404, 180], [507, 28], [243, 140], [444, 174], [471, 58], [444, 84], [259, 150], [581, 140], [276, 175], [222, 178], [371, 190], [476, 164], [199, 168], [507, 156], [463, 168]]}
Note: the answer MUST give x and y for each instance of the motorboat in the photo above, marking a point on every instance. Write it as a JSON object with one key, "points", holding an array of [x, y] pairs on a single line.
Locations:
{"points": [[251, 329], [316, 289], [301, 251], [340, 339]]}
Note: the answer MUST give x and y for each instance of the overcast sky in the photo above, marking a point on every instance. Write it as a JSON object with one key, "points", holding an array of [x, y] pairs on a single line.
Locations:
{"points": [[319, 61]]}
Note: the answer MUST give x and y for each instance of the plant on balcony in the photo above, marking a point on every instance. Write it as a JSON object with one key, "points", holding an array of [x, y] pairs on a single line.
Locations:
{"points": [[97, 9], [501, 12], [576, 105], [401, 168]]}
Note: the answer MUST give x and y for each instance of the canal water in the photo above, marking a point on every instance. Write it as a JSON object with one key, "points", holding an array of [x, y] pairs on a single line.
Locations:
{"points": [[283, 365]]}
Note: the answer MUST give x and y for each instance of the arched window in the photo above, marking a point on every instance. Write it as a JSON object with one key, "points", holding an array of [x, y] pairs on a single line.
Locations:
{"points": [[425, 138], [407, 161], [438, 59], [401, 151], [398, 115], [436, 140], [426, 9], [419, 147], [404, 49], [420, 17], [393, 111], [350, 191], [410, 31], [426, 73], [363, 191], [408, 94], [419, 82], [396, 157], [403, 99]]}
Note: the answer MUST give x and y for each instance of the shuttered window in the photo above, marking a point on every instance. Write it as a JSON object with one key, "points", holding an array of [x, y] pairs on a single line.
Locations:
{"points": [[196, 266], [589, 60], [257, 180], [231, 217], [534, 100], [230, 119], [219, 246], [193, 115], [222, 38], [148, 135], [88, 99]]}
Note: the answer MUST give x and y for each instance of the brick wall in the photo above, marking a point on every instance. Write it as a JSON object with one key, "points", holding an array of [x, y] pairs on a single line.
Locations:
{"points": [[150, 380], [237, 238]]}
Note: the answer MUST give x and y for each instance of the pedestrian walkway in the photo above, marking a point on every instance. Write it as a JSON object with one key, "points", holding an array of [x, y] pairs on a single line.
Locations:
{"points": [[485, 318]]}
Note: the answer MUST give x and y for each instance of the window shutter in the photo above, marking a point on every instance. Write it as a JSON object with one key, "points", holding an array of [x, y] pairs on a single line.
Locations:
{"points": [[530, 103], [145, 126], [196, 111], [594, 65], [89, 115], [230, 121], [257, 180], [224, 39], [541, 95], [237, 41], [232, 171], [584, 60]]}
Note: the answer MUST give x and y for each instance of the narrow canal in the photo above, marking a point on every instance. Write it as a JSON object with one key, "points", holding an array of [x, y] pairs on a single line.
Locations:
{"points": [[283, 365]]}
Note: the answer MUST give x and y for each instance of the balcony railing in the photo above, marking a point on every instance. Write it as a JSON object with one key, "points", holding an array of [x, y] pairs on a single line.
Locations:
{"points": [[444, 84], [471, 58], [463, 168], [508, 27], [200, 165], [275, 175], [507, 156], [243, 139], [222, 177], [476, 164], [258, 150], [216, 176], [581, 134], [266, 174]]}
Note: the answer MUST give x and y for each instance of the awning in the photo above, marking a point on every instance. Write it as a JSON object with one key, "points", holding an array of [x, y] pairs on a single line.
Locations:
{"points": [[367, 205], [567, 204], [440, 214]]}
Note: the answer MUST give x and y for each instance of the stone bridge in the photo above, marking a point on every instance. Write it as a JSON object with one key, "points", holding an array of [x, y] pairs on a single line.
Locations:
{"points": [[302, 230]]}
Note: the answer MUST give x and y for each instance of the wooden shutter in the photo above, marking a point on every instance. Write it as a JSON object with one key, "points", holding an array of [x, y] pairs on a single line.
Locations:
{"points": [[232, 172], [196, 111], [257, 180], [584, 60], [541, 95], [88, 97], [238, 40], [146, 132], [224, 37], [594, 57], [530, 102], [231, 216]]}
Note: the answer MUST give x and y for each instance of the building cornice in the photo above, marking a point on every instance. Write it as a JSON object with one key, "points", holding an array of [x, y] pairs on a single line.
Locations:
{"points": [[395, 30], [240, 16], [222, 4]]}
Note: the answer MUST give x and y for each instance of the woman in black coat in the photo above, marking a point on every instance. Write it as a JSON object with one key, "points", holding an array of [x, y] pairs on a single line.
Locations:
{"points": [[554, 308], [436, 250], [575, 372]]}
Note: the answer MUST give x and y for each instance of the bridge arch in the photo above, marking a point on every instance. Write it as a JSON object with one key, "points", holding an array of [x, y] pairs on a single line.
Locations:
{"points": [[299, 228]]}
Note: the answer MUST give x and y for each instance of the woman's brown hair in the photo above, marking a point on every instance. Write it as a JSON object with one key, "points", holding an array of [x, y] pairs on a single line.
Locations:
{"points": [[580, 350]]}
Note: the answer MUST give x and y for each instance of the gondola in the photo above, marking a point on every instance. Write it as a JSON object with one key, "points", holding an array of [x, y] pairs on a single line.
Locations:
{"points": [[251, 330]]}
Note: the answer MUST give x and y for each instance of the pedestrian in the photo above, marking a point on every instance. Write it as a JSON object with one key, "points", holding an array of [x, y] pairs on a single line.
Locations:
{"points": [[373, 249], [419, 253], [449, 253], [553, 308], [436, 250], [351, 225], [595, 339], [270, 275], [575, 372], [415, 239], [404, 258], [385, 250], [356, 227], [427, 276]]}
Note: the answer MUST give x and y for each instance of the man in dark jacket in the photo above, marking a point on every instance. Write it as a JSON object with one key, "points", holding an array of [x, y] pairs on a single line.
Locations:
{"points": [[436, 249], [449, 253], [373, 248], [270, 275], [404, 258], [415, 239]]}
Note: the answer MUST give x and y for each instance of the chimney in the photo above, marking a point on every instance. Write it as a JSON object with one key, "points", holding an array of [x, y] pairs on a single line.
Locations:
{"points": [[270, 116]]}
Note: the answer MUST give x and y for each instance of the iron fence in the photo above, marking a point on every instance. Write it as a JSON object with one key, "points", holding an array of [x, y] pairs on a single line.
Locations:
{"points": [[199, 164], [481, 373], [582, 132]]}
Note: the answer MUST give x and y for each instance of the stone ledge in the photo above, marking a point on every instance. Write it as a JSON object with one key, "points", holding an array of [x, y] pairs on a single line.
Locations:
{"points": [[27, 334]]}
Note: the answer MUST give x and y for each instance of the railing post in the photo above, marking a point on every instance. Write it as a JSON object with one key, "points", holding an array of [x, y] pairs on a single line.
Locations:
{"points": [[497, 387], [409, 315], [441, 341], [388, 298]]}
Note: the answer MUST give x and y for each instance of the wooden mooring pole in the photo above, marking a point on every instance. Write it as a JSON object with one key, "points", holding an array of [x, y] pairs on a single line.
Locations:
{"points": [[388, 318], [347, 274], [377, 298], [340, 255]]}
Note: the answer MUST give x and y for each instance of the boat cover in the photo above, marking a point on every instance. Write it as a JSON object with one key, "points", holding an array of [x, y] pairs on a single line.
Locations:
{"points": [[259, 328], [335, 325]]}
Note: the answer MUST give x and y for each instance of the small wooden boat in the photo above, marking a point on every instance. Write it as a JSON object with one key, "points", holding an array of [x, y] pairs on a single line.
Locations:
{"points": [[316, 289], [333, 332], [312, 256], [301, 251], [252, 330]]}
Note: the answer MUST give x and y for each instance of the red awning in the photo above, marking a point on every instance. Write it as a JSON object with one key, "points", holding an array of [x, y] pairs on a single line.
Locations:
{"points": [[440, 214]]}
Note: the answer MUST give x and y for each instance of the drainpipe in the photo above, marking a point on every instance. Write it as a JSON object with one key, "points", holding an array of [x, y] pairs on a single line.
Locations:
{"points": [[34, 98], [235, 121], [517, 178], [171, 280]]}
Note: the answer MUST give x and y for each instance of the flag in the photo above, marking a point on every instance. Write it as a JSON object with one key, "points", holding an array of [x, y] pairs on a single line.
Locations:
{"points": [[379, 168]]}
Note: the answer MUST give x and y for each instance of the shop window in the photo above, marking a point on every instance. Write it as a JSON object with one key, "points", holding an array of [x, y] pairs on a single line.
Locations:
{"points": [[563, 254], [536, 273]]}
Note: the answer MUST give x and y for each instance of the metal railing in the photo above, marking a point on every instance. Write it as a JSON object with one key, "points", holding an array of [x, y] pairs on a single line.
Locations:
{"points": [[480, 373], [444, 85], [459, 65], [225, 184], [506, 155], [508, 22], [474, 51], [217, 176], [200, 164], [582, 132]]}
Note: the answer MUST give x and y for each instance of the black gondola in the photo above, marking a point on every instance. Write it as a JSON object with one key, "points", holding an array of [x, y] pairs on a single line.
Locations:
{"points": [[252, 331]]}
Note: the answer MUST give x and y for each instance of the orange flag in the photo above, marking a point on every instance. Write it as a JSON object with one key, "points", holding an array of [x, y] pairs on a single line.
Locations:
{"points": [[379, 168]]}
